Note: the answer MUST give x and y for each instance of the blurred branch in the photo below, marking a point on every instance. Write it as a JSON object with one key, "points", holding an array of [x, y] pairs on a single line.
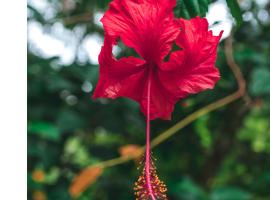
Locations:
{"points": [[197, 114], [85, 17], [67, 5], [234, 67], [116, 161]]}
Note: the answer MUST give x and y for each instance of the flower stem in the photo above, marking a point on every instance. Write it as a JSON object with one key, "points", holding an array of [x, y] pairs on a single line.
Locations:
{"points": [[148, 150]]}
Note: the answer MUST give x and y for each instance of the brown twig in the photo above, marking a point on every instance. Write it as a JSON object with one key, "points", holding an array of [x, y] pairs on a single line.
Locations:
{"points": [[234, 67], [85, 17]]}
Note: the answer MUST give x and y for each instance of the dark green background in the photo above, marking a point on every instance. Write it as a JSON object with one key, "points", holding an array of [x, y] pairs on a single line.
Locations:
{"points": [[221, 156]]}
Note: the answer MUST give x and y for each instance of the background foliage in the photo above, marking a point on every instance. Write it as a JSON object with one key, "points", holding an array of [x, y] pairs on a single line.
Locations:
{"points": [[221, 156]]}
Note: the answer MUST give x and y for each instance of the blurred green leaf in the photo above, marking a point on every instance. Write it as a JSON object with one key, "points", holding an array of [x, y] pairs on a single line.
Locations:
{"points": [[256, 130], [186, 189], [37, 15], [203, 131], [235, 11], [262, 183], [230, 193], [56, 83], [69, 120], [260, 84], [103, 137], [44, 129], [75, 152], [191, 8], [52, 175]]}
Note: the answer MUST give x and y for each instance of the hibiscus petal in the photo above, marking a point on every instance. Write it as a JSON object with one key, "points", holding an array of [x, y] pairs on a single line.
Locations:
{"points": [[161, 101], [125, 77], [148, 26], [198, 43], [176, 60], [192, 69]]}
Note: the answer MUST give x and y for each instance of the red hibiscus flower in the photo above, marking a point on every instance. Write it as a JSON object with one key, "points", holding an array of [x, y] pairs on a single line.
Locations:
{"points": [[149, 27]]}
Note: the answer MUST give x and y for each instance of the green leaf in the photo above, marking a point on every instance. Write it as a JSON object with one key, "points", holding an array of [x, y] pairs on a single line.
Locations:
{"points": [[44, 129], [181, 10], [76, 153], [52, 175], [191, 8], [260, 84], [204, 132], [69, 120], [36, 14], [235, 11], [256, 130], [203, 7], [229, 193], [186, 189]]}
